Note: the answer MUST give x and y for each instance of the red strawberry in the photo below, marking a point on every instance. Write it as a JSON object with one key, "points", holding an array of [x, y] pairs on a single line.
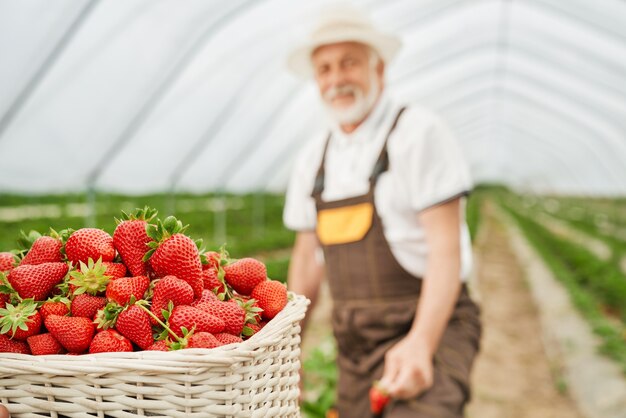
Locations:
{"points": [[226, 339], [121, 290], [211, 282], [378, 398], [7, 261], [271, 296], [131, 240], [160, 345], [37, 281], [170, 288], [173, 253], [43, 344], [243, 275], [109, 341], [115, 270], [233, 315], [43, 249], [74, 333], [4, 298], [8, 345], [87, 305], [53, 308], [207, 296], [20, 321], [88, 243], [213, 260], [134, 324], [192, 318], [203, 340]]}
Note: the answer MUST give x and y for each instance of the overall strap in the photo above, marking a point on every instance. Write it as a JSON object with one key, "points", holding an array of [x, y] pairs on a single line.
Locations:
{"points": [[318, 186], [382, 163]]}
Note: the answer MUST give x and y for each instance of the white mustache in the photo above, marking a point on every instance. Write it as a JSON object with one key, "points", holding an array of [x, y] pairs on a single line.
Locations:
{"points": [[333, 92]]}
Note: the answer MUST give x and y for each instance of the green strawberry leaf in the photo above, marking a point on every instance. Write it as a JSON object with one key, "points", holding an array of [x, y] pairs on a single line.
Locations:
{"points": [[247, 331]]}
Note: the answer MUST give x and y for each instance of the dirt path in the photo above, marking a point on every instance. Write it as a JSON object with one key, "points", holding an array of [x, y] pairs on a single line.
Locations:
{"points": [[512, 377]]}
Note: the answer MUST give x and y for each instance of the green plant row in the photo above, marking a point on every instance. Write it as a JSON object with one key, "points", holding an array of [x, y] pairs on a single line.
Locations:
{"points": [[617, 246], [595, 287]]}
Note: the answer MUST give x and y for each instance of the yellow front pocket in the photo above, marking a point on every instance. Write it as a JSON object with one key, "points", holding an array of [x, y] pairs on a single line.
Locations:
{"points": [[345, 224]]}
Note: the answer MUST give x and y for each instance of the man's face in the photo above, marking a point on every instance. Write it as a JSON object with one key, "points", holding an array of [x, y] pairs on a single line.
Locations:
{"points": [[346, 75]]}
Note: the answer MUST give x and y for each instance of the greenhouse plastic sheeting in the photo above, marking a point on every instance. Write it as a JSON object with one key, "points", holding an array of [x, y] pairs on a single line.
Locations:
{"points": [[142, 96]]}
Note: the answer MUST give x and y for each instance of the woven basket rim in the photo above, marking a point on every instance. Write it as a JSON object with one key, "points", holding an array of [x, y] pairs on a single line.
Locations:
{"points": [[224, 355]]}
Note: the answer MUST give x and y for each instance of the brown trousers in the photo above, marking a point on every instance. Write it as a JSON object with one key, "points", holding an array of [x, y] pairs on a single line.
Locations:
{"points": [[364, 335]]}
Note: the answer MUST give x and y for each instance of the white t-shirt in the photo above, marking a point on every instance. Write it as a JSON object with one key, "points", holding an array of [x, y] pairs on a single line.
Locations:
{"points": [[426, 167]]}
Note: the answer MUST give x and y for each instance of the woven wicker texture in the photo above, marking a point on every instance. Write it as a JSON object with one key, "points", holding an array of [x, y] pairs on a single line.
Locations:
{"points": [[256, 378]]}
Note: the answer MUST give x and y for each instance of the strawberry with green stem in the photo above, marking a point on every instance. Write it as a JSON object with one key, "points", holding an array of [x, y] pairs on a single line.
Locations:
{"points": [[43, 248], [379, 398], [173, 253], [130, 239], [131, 321], [20, 321], [89, 278]]}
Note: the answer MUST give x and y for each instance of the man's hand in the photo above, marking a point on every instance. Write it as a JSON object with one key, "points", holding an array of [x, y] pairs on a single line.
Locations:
{"points": [[408, 369]]}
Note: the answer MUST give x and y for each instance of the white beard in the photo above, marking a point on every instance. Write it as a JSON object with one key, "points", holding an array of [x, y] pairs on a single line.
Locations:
{"points": [[361, 107]]}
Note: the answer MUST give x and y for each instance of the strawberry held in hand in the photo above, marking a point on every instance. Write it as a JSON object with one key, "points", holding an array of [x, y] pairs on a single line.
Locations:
{"points": [[175, 254], [131, 240], [378, 398], [88, 243]]}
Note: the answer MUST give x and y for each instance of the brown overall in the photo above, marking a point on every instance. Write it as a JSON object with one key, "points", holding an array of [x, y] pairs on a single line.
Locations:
{"points": [[375, 302]]}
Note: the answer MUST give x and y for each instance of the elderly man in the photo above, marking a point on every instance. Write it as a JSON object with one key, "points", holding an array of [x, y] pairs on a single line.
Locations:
{"points": [[381, 192]]}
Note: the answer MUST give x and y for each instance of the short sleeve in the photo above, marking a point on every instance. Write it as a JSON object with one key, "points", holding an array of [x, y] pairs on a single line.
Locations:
{"points": [[437, 171], [299, 213]]}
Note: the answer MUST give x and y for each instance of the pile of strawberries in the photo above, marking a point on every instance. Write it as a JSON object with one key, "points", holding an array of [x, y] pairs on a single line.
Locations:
{"points": [[147, 287]]}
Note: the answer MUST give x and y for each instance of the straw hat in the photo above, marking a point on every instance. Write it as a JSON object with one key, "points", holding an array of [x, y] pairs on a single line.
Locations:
{"points": [[342, 23]]}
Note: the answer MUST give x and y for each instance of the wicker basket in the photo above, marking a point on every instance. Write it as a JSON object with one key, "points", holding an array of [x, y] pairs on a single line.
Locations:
{"points": [[256, 378]]}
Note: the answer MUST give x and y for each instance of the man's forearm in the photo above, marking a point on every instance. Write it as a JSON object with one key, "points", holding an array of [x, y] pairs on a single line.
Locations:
{"points": [[440, 291], [305, 272]]}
